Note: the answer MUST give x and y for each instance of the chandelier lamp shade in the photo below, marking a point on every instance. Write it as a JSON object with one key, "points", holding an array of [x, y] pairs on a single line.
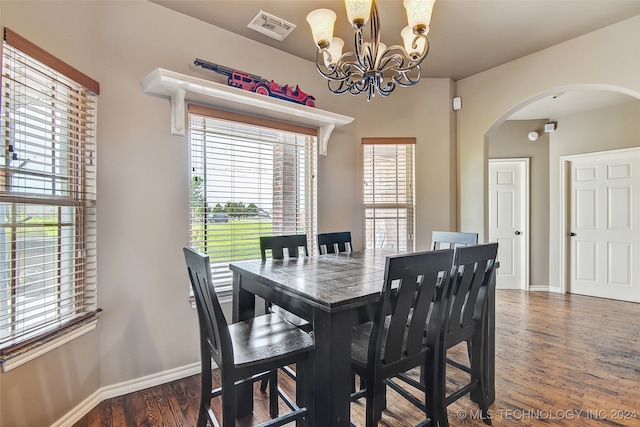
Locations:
{"points": [[372, 67]]}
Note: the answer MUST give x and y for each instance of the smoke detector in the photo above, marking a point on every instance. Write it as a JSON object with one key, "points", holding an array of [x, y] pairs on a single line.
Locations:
{"points": [[272, 26]]}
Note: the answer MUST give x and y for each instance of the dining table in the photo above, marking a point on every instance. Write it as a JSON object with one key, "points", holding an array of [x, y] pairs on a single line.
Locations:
{"points": [[335, 292]]}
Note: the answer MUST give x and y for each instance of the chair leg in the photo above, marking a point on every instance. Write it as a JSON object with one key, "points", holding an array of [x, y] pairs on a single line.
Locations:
{"points": [[273, 393], [301, 379], [375, 400], [228, 403], [477, 374], [441, 391], [263, 384], [370, 409], [205, 390], [430, 392]]}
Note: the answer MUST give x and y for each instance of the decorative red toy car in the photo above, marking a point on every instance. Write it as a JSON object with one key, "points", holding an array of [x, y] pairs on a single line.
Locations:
{"points": [[257, 84]]}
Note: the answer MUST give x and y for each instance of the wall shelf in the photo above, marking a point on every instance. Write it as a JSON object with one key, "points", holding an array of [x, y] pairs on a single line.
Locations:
{"points": [[181, 88]]}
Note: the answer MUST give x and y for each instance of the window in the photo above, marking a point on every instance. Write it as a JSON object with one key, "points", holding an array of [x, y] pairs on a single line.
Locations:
{"points": [[388, 192], [47, 196], [250, 177]]}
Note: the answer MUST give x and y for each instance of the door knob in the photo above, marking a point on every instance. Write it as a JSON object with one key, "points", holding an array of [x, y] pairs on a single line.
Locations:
{"points": [[518, 233], [572, 234]]}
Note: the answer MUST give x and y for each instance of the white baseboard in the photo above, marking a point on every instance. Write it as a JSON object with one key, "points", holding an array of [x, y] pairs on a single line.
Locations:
{"points": [[152, 380], [539, 288], [79, 411], [123, 388]]}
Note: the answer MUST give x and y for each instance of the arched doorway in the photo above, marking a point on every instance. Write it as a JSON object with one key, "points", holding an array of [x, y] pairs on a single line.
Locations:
{"points": [[588, 118]]}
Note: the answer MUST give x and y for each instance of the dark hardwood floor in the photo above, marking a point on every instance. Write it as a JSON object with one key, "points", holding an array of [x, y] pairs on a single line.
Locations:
{"points": [[561, 360]]}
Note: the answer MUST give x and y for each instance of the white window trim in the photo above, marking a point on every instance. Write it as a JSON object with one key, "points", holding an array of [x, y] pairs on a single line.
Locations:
{"points": [[76, 328], [410, 206], [12, 362]]}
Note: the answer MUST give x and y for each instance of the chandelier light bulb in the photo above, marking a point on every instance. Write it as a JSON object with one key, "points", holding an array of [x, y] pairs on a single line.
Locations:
{"points": [[321, 22], [419, 14], [333, 52], [358, 12]]}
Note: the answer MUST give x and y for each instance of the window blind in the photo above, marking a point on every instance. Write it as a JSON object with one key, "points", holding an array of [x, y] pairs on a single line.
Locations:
{"points": [[388, 192], [47, 195], [248, 179]]}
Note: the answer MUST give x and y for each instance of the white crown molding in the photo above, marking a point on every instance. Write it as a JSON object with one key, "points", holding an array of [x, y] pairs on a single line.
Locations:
{"points": [[181, 88]]}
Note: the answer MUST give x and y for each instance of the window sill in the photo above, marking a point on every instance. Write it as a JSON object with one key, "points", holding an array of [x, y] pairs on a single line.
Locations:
{"points": [[22, 356], [181, 88]]}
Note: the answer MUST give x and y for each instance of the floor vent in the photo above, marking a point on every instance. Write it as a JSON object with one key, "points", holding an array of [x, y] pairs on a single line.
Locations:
{"points": [[272, 26]]}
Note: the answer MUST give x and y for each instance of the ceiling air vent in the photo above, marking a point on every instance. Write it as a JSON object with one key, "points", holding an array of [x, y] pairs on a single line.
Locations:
{"points": [[272, 26]]}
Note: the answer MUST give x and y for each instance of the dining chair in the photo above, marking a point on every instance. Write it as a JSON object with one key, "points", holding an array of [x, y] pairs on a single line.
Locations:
{"points": [[474, 268], [466, 308], [294, 244], [452, 239], [244, 352], [281, 247], [329, 243], [395, 340]]}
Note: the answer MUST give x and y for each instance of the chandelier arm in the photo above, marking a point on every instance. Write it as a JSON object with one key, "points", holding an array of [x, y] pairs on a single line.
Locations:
{"points": [[362, 53], [398, 52], [405, 80], [385, 92], [337, 87], [342, 70], [375, 34]]}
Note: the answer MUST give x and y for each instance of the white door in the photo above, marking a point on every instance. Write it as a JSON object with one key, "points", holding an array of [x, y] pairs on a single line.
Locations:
{"points": [[509, 221], [604, 225]]}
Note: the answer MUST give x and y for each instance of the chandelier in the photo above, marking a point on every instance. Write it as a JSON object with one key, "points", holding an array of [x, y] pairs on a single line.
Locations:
{"points": [[372, 67]]}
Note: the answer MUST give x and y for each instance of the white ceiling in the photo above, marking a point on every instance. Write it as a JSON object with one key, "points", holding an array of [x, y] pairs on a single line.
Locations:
{"points": [[467, 36]]}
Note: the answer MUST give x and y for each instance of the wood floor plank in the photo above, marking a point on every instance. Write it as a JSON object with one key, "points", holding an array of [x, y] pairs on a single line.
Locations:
{"points": [[561, 360]]}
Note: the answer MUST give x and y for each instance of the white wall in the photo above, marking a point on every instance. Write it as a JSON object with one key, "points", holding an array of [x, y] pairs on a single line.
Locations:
{"points": [[605, 59], [148, 326]]}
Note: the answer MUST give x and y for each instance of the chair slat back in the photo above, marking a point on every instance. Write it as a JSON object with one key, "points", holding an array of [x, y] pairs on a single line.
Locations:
{"points": [[472, 272], [421, 280], [452, 239], [294, 243], [327, 242], [214, 330]]}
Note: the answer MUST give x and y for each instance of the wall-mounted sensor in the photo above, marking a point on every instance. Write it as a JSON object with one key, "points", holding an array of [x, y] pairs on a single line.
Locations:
{"points": [[456, 103], [533, 135], [550, 127]]}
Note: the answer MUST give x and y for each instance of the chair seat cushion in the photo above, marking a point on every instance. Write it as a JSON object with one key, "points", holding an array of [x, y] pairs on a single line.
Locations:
{"points": [[267, 337]]}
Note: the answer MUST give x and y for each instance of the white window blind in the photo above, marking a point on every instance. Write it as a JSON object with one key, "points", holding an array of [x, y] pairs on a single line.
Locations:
{"points": [[249, 178], [388, 192], [47, 195]]}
